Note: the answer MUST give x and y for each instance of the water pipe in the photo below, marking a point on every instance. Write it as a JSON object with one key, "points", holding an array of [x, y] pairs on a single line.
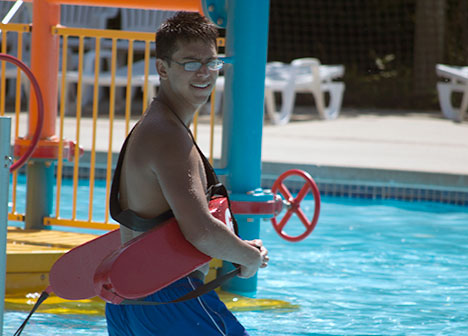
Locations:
{"points": [[246, 24], [5, 125]]}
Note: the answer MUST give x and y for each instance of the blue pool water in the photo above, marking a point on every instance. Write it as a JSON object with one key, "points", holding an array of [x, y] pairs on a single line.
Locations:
{"points": [[369, 268]]}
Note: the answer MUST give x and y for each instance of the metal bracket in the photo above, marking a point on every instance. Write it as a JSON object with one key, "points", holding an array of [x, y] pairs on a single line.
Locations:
{"points": [[8, 161], [216, 11]]}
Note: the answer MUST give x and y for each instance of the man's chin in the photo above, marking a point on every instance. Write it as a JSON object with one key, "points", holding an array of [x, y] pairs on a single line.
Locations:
{"points": [[202, 99]]}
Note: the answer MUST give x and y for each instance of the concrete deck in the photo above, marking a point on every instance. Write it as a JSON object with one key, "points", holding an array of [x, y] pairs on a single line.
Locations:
{"points": [[397, 147], [422, 142]]}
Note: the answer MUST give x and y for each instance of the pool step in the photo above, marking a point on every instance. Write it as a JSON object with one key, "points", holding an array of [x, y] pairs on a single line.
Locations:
{"points": [[31, 254]]}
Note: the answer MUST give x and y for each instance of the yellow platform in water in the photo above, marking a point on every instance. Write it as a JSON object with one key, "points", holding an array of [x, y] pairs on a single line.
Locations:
{"points": [[95, 306], [31, 254]]}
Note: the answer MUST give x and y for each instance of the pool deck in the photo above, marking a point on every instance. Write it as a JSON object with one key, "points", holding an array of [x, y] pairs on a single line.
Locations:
{"points": [[419, 148], [422, 142]]}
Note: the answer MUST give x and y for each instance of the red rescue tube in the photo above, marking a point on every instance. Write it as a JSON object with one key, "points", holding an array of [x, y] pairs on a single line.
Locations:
{"points": [[104, 267], [71, 277], [153, 260]]}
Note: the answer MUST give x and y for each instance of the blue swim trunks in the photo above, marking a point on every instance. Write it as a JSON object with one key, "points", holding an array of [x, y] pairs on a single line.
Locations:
{"points": [[203, 316]]}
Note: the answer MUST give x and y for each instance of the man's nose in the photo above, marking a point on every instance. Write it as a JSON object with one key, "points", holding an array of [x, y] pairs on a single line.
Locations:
{"points": [[203, 71]]}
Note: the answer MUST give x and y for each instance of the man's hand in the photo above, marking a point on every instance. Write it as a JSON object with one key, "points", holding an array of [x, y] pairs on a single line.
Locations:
{"points": [[248, 271]]}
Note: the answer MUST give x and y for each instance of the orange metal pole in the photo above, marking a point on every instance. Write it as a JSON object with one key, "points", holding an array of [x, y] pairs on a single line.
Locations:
{"points": [[44, 64], [188, 5]]}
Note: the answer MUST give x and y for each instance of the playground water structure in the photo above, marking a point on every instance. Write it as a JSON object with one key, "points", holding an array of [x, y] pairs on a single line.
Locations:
{"points": [[240, 101], [243, 179], [41, 167]]}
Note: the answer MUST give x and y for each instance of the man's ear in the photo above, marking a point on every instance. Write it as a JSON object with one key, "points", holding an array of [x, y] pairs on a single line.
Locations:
{"points": [[161, 68]]}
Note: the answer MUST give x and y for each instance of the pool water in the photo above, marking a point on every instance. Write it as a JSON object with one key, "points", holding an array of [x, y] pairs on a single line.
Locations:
{"points": [[370, 268]]}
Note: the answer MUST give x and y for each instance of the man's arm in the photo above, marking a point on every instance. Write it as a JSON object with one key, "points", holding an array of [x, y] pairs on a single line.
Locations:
{"points": [[178, 169]]}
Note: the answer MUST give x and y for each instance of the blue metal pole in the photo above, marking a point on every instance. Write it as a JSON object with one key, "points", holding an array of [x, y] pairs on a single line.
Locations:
{"points": [[5, 126], [246, 45]]}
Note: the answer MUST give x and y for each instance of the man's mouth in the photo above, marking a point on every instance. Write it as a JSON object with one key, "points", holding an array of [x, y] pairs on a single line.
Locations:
{"points": [[201, 85]]}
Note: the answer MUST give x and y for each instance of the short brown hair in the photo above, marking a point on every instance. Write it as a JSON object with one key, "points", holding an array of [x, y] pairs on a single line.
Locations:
{"points": [[185, 27]]}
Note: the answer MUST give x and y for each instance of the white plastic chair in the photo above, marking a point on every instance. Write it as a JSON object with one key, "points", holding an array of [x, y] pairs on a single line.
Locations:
{"points": [[458, 82], [304, 75], [85, 17], [141, 20], [280, 77], [22, 15], [131, 20], [121, 75], [317, 79]]}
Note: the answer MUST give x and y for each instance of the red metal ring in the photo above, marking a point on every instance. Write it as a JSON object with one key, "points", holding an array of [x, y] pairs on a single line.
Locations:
{"points": [[40, 107], [294, 204]]}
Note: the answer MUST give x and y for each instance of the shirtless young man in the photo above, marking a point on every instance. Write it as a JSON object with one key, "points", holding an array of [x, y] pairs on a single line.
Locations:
{"points": [[163, 171]]}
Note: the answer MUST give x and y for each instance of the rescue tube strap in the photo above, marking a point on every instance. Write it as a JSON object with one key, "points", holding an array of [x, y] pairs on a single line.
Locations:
{"points": [[44, 295], [203, 289], [215, 187], [127, 217]]}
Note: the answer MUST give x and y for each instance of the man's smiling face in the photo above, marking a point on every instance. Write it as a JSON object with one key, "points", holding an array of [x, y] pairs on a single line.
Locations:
{"points": [[192, 86]]}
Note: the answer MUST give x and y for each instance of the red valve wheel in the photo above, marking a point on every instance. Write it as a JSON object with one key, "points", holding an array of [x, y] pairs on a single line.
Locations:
{"points": [[40, 108], [293, 204]]}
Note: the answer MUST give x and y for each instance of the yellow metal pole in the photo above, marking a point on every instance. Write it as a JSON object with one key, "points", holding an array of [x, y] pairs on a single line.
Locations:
{"points": [[128, 96], [145, 86], [111, 124], [78, 124], [212, 120], [63, 95], [97, 66], [2, 74], [195, 124], [17, 116]]}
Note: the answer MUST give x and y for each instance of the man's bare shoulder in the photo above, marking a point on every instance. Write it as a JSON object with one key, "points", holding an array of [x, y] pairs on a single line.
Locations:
{"points": [[161, 136]]}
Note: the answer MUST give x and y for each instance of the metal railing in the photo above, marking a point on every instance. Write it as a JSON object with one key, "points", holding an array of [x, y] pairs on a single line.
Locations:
{"points": [[21, 30]]}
